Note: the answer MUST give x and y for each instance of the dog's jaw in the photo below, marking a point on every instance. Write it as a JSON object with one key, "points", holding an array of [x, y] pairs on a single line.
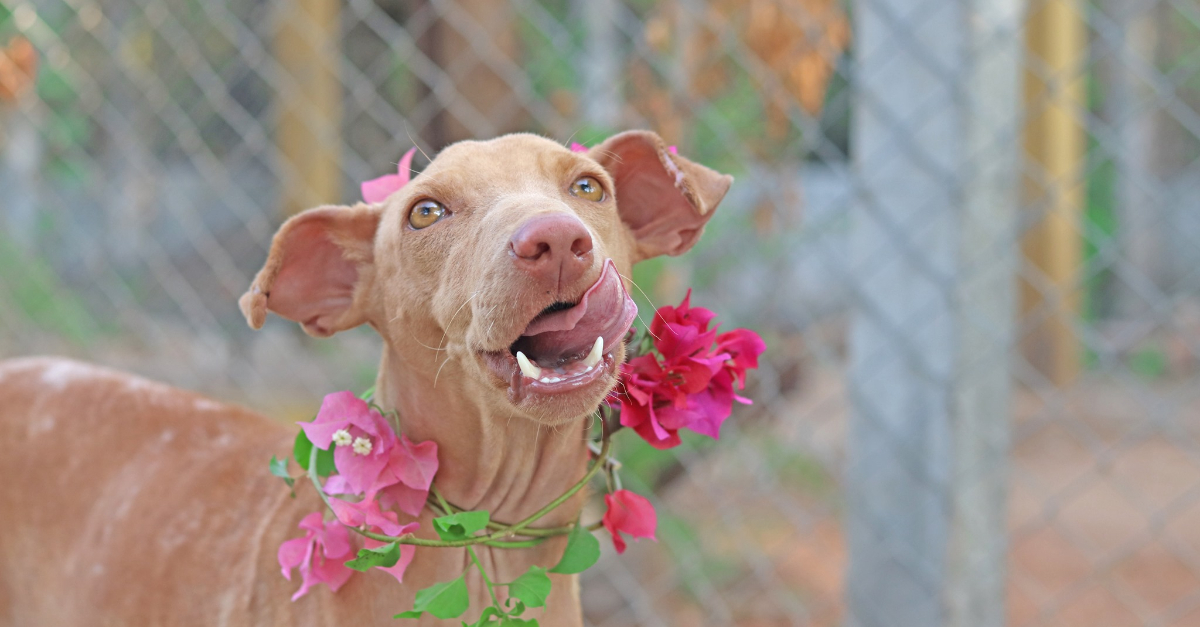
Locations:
{"points": [[560, 362]]}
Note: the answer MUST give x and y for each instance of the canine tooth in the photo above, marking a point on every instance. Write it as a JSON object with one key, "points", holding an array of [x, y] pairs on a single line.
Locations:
{"points": [[593, 357], [527, 367]]}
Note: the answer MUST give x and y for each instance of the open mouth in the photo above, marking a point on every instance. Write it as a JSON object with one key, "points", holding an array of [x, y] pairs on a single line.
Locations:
{"points": [[568, 345]]}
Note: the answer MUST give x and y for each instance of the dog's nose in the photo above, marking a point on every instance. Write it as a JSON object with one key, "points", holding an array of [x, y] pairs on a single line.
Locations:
{"points": [[556, 247]]}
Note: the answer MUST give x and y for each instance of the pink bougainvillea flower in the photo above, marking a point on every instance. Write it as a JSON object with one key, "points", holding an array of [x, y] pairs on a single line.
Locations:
{"points": [[366, 439], [320, 555], [688, 384], [366, 512], [340, 411], [370, 458], [744, 347], [629, 513], [377, 190]]}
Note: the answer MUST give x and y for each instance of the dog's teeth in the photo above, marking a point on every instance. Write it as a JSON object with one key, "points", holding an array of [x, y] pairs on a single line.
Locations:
{"points": [[545, 379], [593, 357], [527, 367]]}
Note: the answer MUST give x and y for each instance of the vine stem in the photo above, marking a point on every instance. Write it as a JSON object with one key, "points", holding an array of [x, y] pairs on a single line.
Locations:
{"points": [[483, 573], [495, 539]]}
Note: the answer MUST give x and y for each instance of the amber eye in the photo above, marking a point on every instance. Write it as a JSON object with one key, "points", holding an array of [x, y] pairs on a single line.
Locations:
{"points": [[425, 213], [588, 188]]}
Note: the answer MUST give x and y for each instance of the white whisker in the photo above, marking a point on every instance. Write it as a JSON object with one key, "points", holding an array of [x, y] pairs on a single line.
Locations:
{"points": [[639, 314]]}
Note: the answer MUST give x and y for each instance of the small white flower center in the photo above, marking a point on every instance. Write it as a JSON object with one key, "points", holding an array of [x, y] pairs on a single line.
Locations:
{"points": [[341, 437], [362, 446]]}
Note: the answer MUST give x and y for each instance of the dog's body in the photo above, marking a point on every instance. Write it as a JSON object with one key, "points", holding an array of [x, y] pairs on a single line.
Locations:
{"points": [[127, 502]]}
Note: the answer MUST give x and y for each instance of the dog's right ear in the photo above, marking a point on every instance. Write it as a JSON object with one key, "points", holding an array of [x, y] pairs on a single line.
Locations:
{"points": [[319, 270], [665, 199]]}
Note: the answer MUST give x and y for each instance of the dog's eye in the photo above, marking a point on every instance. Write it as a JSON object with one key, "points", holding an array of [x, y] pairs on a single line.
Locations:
{"points": [[588, 188], [425, 213]]}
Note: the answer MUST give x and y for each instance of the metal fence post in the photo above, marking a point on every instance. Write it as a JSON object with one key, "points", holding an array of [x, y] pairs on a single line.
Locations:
{"points": [[1055, 146], [935, 138], [306, 47], [600, 64]]}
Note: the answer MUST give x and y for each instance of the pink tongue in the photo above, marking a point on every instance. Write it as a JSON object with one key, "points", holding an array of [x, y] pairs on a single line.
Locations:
{"points": [[605, 310]]}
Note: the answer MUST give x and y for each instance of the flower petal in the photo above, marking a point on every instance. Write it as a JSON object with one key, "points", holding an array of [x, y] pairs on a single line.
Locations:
{"points": [[291, 554], [629, 513], [377, 190], [415, 464], [365, 512], [360, 471], [407, 552], [410, 500]]}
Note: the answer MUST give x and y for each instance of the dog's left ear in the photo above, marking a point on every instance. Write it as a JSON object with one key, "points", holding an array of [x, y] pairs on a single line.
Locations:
{"points": [[664, 198], [317, 273]]}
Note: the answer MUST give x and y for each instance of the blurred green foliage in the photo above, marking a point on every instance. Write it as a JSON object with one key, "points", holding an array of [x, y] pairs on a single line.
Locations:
{"points": [[39, 298]]}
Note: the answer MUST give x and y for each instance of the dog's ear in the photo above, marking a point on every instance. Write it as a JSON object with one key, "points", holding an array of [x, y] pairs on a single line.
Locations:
{"points": [[664, 198], [318, 270]]}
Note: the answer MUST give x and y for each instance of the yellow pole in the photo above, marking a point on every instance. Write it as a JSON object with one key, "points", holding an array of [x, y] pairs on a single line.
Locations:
{"points": [[1054, 188], [310, 114]]}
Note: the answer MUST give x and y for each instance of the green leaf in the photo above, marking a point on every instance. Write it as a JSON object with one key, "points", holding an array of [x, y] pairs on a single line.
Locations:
{"points": [[532, 588], [509, 621], [486, 618], [368, 394], [461, 525], [385, 556], [302, 451], [515, 607], [279, 468], [442, 600], [583, 549], [325, 465]]}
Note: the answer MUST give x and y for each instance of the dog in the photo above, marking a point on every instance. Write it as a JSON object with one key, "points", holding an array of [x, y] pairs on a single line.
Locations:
{"points": [[127, 502]]}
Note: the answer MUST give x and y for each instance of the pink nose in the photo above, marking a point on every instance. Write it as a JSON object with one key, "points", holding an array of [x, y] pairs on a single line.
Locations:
{"points": [[555, 247]]}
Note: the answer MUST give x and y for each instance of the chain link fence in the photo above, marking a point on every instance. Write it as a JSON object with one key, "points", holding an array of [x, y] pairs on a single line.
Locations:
{"points": [[969, 231]]}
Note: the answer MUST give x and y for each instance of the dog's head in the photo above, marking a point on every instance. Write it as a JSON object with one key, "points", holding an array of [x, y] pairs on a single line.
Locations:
{"points": [[509, 257]]}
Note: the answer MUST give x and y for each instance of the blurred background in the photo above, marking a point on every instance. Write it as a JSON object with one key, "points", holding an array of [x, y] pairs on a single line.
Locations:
{"points": [[968, 230]]}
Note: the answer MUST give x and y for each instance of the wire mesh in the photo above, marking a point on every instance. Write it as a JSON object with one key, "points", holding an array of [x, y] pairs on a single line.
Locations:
{"points": [[143, 174]]}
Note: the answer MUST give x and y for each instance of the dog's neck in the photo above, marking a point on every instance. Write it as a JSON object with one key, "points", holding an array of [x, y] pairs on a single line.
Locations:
{"points": [[490, 459]]}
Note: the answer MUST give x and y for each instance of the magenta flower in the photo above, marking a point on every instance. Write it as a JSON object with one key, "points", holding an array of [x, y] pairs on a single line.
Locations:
{"points": [[368, 455], [687, 383], [377, 190], [363, 438], [628, 513], [320, 555]]}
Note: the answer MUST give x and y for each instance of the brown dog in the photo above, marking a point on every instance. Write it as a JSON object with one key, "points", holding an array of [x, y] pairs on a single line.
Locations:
{"points": [[131, 503]]}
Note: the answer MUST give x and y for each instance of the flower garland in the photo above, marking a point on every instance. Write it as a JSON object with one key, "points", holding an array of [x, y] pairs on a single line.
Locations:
{"points": [[680, 374]]}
